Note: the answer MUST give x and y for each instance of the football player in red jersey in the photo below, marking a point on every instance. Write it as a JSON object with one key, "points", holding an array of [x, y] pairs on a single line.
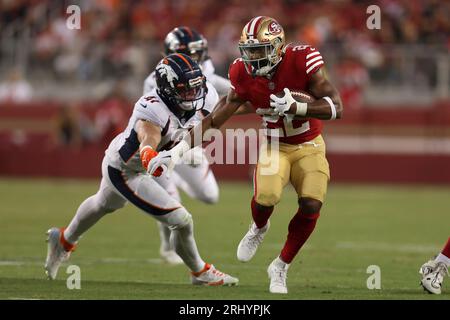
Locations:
{"points": [[264, 76]]}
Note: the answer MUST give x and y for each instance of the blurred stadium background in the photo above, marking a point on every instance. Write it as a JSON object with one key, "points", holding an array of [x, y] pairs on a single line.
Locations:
{"points": [[74, 89], [65, 93]]}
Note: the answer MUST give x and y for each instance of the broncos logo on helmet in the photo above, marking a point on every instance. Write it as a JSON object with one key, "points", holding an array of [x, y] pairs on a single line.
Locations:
{"points": [[181, 83], [188, 41], [165, 70]]}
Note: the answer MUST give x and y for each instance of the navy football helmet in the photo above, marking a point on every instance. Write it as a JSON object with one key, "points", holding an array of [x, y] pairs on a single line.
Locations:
{"points": [[188, 41], [181, 83]]}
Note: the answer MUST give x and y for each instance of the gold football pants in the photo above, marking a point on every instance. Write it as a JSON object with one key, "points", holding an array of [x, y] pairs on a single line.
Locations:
{"points": [[304, 165]]}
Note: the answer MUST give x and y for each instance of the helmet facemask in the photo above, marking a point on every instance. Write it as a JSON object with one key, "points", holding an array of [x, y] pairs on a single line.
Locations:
{"points": [[197, 50], [259, 58], [181, 84], [191, 96]]}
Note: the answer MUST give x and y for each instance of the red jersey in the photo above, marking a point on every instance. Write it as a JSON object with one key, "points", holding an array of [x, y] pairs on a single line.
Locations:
{"points": [[293, 72]]}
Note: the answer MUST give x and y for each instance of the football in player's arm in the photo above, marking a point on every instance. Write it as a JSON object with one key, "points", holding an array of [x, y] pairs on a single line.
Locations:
{"points": [[319, 87]]}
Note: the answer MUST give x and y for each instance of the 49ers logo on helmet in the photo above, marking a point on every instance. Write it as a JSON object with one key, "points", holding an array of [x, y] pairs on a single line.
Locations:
{"points": [[274, 28]]}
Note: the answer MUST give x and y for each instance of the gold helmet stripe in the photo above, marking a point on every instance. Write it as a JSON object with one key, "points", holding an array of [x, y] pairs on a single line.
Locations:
{"points": [[253, 26]]}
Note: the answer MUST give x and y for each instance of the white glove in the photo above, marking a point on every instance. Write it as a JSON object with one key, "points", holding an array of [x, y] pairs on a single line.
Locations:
{"points": [[283, 104], [164, 161], [167, 159]]}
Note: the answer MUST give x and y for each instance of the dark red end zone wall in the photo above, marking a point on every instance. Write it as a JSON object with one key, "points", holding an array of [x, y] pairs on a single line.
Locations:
{"points": [[344, 168]]}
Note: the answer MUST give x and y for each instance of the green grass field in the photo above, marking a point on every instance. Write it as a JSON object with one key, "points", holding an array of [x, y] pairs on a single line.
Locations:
{"points": [[396, 228]]}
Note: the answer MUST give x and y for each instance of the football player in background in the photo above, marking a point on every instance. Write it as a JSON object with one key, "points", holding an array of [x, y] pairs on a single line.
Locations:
{"points": [[268, 67], [182, 98], [434, 271], [196, 180], [190, 42]]}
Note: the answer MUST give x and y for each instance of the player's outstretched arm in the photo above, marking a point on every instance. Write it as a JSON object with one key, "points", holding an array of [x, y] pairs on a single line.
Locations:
{"points": [[149, 136], [245, 108], [222, 112], [224, 109]]}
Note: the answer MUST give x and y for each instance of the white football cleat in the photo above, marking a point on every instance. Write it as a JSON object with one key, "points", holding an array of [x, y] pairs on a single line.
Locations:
{"points": [[58, 251], [210, 276], [171, 257], [433, 274], [249, 244], [427, 267], [277, 272]]}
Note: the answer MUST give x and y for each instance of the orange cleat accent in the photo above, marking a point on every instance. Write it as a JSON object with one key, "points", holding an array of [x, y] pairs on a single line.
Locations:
{"points": [[69, 247], [210, 276], [205, 268]]}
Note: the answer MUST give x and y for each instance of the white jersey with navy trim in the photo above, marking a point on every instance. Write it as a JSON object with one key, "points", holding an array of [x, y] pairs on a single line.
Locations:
{"points": [[221, 84], [123, 151]]}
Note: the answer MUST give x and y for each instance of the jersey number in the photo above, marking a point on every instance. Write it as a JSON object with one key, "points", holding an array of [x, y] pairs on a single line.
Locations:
{"points": [[151, 99], [289, 127]]}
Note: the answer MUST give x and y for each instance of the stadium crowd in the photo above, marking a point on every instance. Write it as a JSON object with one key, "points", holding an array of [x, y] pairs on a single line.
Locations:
{"points": [[120, 38], [121, 41]]}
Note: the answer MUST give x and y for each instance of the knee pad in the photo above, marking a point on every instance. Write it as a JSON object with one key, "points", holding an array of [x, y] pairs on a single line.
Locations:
{"points": [[268, 198], [314, 186], [178, 219]]}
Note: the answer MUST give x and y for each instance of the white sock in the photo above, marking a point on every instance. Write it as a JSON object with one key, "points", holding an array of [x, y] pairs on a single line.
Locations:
{"points": [[281, 264], [88, 213], [164, 235], [443, 258], [185, 246], [263, 229]]}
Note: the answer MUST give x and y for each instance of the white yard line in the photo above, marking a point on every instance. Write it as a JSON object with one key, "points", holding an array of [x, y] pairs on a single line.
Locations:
{"points": [[11, 263]]}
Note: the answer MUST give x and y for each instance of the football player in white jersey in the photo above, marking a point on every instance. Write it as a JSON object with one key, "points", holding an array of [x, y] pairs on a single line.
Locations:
{"points": [[197, 181], [159, 119]]}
